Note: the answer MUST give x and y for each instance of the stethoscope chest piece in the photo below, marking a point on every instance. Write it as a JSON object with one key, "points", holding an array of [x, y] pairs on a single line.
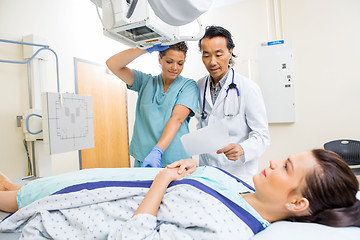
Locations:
{"points": [[232, 85], [203, 115]]}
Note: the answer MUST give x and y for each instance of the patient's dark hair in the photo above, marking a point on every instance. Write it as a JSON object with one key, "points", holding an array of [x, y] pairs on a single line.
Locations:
{"points": [[331, 190], [180, 46]]}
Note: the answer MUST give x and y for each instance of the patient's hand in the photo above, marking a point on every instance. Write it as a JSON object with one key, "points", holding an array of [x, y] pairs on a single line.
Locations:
{"points": [[184, 165], [167, 175]]}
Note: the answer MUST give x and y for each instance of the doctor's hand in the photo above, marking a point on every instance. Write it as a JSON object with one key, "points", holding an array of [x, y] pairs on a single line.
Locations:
{"points": [[154, 158], [157, 48], [187, 166], [232, 151]]}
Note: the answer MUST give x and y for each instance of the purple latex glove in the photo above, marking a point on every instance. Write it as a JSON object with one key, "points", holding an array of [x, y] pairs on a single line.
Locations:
{"points": [[154, 158], [157, 48]]}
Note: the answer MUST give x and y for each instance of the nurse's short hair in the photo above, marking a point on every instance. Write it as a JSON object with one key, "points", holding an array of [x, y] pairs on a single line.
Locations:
{"points": [[180, 46]]}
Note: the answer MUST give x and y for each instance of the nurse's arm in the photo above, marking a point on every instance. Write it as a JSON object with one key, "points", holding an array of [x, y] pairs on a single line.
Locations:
{"points": [[118, 64], [178, 116]]}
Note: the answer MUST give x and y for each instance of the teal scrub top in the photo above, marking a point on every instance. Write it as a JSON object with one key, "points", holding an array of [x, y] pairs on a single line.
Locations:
{"points": [[153, 110]]}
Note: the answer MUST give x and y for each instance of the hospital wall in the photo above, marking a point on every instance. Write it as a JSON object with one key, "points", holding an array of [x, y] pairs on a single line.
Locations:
{"points": [[326, 56], [71, 29], [325, 36]]}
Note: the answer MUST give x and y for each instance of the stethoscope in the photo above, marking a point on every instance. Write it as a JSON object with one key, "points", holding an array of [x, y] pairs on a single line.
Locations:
{"points": [[232, 85]]}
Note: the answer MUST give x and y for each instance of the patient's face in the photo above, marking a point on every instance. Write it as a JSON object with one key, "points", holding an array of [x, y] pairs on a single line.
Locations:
{"points": [[277, 183]]}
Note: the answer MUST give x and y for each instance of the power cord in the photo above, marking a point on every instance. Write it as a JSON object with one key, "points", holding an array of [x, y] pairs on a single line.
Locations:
{"points": [[28, 157]]}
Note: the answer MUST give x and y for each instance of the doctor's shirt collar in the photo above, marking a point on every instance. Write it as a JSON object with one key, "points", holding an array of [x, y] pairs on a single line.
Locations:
{"points": [[215, 90]]}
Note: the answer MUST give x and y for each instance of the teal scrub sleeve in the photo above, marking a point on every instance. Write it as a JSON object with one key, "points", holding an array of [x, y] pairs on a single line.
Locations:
{"points": [[140, 79], [189, 96]]}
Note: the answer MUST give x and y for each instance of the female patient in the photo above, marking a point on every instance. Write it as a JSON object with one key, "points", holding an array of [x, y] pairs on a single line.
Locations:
{"points": [[315, 186]]}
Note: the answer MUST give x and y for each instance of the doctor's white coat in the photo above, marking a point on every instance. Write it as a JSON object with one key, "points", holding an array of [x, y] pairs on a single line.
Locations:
{"points": [[247, 123]]}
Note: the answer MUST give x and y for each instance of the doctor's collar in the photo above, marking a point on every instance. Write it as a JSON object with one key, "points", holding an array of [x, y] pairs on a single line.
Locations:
{"points": [[222, 80]]}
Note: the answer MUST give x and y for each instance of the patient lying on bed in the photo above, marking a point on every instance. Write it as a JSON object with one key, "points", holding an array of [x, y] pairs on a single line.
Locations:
{"points": [[315, 186]]}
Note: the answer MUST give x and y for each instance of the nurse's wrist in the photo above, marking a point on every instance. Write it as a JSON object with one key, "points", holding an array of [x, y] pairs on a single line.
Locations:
{"points": [[159, 149]]}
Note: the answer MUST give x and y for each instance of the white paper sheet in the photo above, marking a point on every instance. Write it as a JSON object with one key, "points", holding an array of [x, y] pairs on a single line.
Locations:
{"points": [[206, 140]]}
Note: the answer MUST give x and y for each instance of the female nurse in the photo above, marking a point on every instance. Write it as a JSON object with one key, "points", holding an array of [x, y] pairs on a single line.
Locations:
{"points": [[164, 106]]}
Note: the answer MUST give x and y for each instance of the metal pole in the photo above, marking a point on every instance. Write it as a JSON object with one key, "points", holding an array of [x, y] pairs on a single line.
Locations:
{"points": [[29, 85], [32, 144]]}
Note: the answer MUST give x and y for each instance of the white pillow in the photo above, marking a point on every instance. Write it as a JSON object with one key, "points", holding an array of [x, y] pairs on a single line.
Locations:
{"points": [[284, 230], [307, 231]]}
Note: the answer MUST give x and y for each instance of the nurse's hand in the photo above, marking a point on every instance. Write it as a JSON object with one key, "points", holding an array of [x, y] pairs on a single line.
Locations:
{"points": [[154, 158], [232, 151], [157, 48], [187, 166]]}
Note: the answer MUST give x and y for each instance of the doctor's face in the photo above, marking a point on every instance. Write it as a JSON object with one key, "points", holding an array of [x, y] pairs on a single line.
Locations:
{"points": [[284, 178], [215, 56]]}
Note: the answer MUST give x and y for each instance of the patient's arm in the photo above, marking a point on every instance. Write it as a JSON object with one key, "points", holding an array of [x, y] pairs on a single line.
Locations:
{"points": [[8, 202], [152, 200], [7, 185], [8, 191]]}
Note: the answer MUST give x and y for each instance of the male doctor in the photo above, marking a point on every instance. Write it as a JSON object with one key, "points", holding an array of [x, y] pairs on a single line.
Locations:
{"points": [[236, 101]]}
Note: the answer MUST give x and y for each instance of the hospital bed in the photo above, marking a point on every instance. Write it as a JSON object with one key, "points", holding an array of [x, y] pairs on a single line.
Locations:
{"points": [[279, 230]]}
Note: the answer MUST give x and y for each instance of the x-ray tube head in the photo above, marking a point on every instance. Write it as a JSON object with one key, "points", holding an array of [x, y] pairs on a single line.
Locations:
{"points": [[140, 34], [134, 23]]}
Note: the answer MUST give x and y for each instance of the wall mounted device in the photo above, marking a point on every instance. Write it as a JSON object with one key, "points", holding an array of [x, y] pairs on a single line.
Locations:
{"points": [[276, 80], [68, 122]]}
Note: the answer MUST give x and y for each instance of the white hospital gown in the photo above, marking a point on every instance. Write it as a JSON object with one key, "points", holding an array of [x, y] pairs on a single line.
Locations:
{"points": [[201, 219], [186, 212]]}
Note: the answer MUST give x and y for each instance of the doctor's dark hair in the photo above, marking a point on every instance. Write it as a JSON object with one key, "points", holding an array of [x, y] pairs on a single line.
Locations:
{"points": [[180, 46], [217, 31], [331, 190]]}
